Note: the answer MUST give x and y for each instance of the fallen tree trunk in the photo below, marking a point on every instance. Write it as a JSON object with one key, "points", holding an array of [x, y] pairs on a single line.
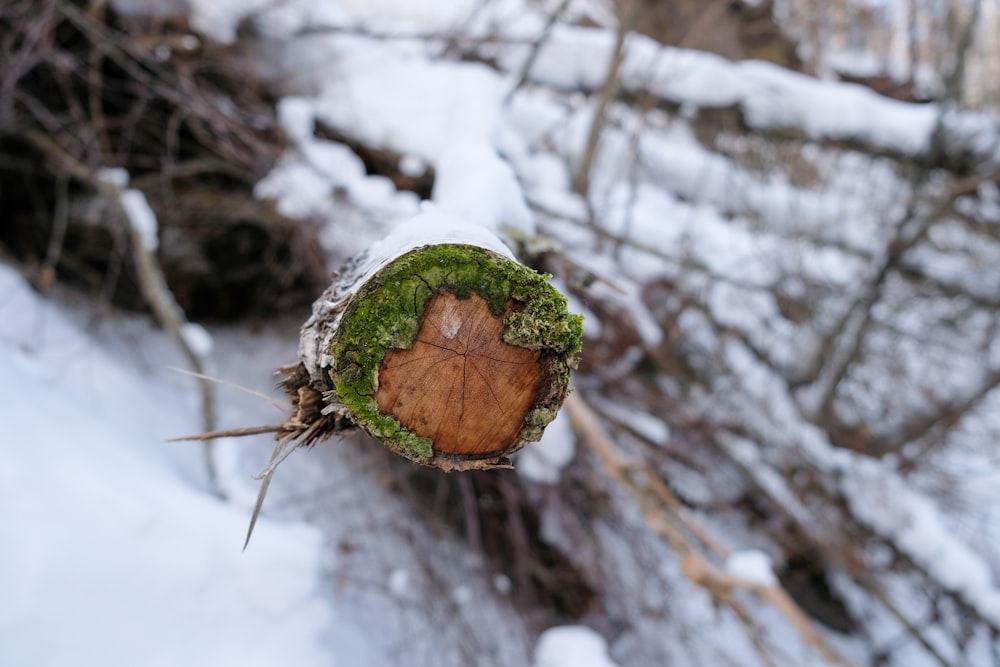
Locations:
{"points": [[439, 343]]}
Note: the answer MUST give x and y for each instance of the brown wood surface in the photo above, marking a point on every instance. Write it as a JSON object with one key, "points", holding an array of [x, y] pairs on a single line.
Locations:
{"points": [[459, 383]]}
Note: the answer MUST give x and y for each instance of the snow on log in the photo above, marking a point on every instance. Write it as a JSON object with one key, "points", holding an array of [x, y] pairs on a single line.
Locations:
{"points": [[439, 343]]}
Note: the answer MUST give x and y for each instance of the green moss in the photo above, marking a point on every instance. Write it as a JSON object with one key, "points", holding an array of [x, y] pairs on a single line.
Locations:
{"points": [[385, 313], [545, 324]]}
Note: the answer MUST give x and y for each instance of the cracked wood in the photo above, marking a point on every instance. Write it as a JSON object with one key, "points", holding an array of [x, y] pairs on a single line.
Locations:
{"points": [[459, 383]]}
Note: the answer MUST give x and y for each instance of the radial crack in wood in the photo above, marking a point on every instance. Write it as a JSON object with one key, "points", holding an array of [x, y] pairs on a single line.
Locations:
{"points": [[459, 383]]}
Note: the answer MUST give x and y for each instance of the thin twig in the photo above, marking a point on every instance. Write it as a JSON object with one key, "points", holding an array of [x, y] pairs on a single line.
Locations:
{"points": [[281, 405], [152, 283], [282, 449], [232, 433], [536, 48], [581, 180]]}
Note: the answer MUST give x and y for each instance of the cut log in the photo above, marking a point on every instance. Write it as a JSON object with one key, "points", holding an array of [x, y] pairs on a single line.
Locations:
{"points": [[439, 343]]}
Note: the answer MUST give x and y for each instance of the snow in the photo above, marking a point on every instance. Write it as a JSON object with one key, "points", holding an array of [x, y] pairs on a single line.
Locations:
{"points": [[441, 114], [198, 339], [113, 553], [116, 176], [880, 498], [219, 19], [771, 97], [141, 218], [832, 110], [572, 646], [542, 461], [399, 582], [444, 113], [306, 181], [403, 15], [432, 226], [412, 165], [753, 566], [140, 215], [378, 89], [652, 428]]}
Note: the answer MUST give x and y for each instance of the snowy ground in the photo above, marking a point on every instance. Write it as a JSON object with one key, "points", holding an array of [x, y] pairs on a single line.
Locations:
{"points": [[113, 553]]}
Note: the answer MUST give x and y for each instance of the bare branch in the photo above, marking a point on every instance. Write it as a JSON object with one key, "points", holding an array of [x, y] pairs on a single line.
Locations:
{"points": [[581, 179]]}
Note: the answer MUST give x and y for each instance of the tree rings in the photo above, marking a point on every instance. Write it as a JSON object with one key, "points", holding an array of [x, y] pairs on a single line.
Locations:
{"points": [[455, 356]]}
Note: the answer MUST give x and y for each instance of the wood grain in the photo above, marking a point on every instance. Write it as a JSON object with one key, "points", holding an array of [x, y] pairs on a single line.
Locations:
{"points": [[459, 383]]}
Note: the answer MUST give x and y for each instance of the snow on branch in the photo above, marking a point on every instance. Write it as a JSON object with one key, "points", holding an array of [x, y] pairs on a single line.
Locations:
{"points": [[770, 98], [878, 497]]}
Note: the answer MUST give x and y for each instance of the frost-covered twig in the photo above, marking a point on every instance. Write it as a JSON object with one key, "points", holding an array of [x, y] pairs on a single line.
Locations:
{"points": [[141, 230], [142, 234]]}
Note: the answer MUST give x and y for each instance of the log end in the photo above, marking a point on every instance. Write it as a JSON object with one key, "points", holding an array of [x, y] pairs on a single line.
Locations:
{"points": [[455, 356]]}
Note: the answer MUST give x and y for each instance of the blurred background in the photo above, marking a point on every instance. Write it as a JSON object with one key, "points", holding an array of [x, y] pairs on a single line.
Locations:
{"points": [[781, 220]]}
